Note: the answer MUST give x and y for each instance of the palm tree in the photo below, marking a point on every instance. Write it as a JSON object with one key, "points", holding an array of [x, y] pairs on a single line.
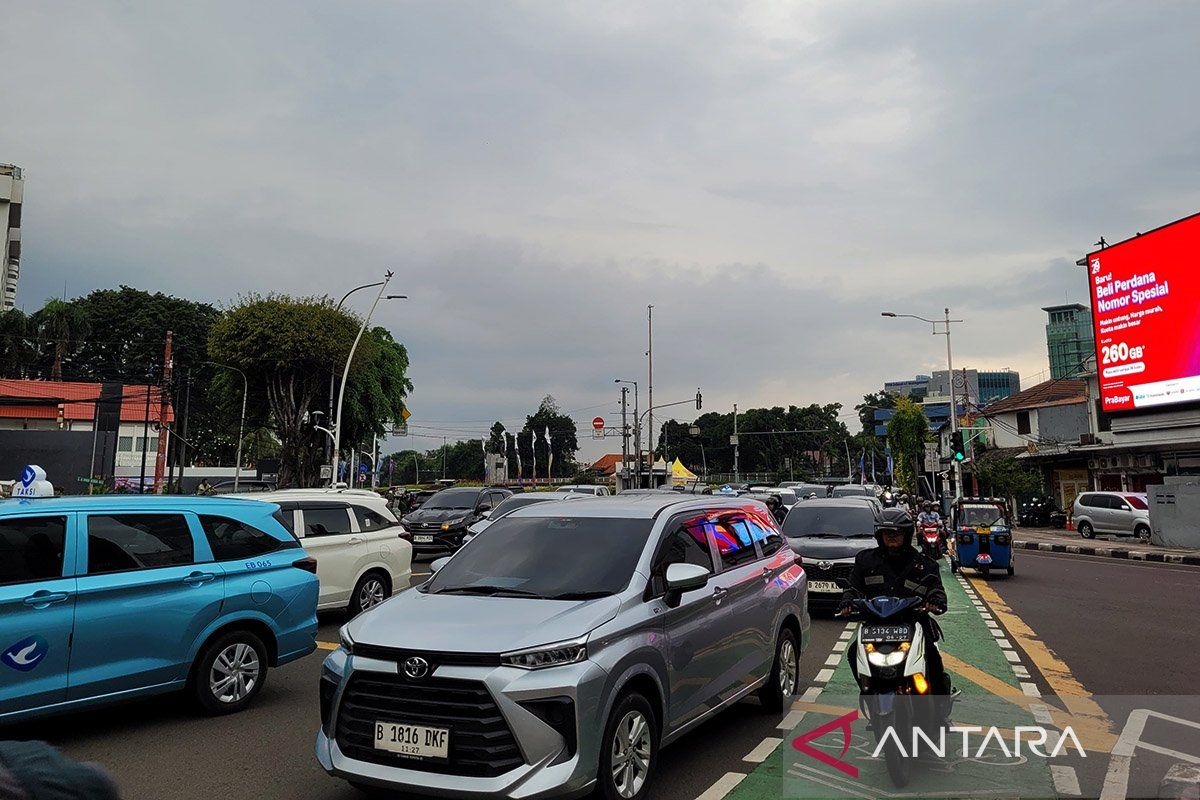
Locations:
{"points": [[65, 325], [16, 353]]}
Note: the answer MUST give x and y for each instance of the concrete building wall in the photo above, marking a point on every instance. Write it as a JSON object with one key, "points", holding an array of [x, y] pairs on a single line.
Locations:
{"points": [[1063, 423], [12, 192]]}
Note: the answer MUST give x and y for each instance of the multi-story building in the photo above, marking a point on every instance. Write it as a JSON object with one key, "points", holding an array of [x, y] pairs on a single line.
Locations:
{"points": [[982, 387], [12, 187], [916, 388], [1069, 340]]}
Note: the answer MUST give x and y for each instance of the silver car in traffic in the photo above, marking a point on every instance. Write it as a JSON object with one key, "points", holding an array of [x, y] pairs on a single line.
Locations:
{"points": [[555, 655]]}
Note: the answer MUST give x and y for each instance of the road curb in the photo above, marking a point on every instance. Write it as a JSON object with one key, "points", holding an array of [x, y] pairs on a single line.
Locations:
{"points": [[1182, 781], [1111, 552]]}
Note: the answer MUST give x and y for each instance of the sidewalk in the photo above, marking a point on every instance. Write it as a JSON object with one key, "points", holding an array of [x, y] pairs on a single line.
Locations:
{"points": [[1057, 540]]}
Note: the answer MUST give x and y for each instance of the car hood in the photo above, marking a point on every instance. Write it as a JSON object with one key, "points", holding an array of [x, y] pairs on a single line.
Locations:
{"points": [[829, 549], [415, 620], [436, 515]]}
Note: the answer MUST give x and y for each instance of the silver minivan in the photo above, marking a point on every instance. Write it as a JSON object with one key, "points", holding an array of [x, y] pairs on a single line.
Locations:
{"points": [[558, 653], [1120, 513]]}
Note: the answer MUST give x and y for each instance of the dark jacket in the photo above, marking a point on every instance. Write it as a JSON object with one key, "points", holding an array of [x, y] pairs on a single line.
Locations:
{"points": [[876, 575], [36, 771]]}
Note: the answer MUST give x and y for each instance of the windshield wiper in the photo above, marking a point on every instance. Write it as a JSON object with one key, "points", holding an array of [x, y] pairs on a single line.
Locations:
{"points": [[579, 595], [489, 591]]}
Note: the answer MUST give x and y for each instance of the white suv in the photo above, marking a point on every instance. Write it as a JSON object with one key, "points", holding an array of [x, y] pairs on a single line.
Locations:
{"points": [[356, 540]]}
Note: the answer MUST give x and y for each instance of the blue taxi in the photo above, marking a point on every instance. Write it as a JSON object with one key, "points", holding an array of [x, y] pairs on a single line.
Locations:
{"points": [[112, 597]]}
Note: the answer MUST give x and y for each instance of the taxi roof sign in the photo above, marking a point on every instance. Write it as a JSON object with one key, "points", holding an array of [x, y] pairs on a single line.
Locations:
{"points": [[33, 483]]}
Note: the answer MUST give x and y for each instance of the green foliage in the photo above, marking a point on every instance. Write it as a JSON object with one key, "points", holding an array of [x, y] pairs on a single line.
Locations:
{"points": [[62, 325], [532, 443], [1005, 476], [908, 430], [871, 402], [16, 349]]}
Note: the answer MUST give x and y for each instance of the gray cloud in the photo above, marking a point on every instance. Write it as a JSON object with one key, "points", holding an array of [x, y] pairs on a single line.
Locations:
{"points": [[770, 176]]}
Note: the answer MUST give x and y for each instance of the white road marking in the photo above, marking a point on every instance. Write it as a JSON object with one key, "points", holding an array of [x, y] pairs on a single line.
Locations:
{"points": [[722, 787], [1005, 644], [1041, 713], [1012, 656], [759, 754], [833, 660], [1020, 671], [791, 720], [840, 647], [846, 635], [1066, 782], [999, 634], [811, 694], [1030, 690], [824, 675]]}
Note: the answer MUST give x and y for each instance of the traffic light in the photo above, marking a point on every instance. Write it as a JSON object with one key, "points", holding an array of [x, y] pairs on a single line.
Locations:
{"points": [[957, 449], [699, 400]]}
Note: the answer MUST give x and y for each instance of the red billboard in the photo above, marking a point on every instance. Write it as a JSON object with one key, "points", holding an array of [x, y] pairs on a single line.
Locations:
{"points": [[1146, 317]]}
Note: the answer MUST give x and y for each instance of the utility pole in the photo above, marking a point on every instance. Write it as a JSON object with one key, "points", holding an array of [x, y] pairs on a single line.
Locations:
{"points": [[164, 431], [736, 446], [443, 458], [958, 493], [183, 441], [145, 439], [650, 387], [624, 428]]}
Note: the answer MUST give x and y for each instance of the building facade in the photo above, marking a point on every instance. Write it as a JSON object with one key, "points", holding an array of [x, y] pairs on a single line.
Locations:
{"points": [[918, 386], [12, 187], [1069, 340]]}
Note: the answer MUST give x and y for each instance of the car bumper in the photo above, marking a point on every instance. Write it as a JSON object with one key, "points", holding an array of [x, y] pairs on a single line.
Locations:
{"points": [[442, 543], [551, 766]]}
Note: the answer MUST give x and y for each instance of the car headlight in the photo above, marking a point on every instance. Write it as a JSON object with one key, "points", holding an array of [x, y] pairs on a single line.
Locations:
{"points": [[886, 659], [345, 641], [547, 655]]}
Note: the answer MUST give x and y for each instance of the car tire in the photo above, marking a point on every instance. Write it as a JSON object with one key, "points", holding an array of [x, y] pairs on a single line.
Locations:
{"points": [[372, 589], [781, 685], [229, 673], [628, 751], [1086, 531], [1142, 532]]}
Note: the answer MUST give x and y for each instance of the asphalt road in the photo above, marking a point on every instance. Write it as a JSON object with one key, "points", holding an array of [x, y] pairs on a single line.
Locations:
{"points": [[159, 748]]}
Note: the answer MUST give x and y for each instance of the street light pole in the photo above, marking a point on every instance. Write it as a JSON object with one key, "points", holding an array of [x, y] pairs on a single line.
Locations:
{"points": [[237, 468], [337, 429], [945, 322], [650, 386]]}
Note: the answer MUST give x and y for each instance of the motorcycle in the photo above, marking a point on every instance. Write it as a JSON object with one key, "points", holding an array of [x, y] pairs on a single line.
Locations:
{"points": [[890, 668], [931, 540]]}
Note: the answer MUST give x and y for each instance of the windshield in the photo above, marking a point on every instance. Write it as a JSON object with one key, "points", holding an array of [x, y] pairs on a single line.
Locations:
{"points": [[808, 520], [554, 557], [982, 516], [453, 498]]}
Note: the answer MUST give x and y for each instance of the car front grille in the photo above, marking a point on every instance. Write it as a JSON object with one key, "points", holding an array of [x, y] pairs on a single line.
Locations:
{"points": [[835, 572], [481, 743]]}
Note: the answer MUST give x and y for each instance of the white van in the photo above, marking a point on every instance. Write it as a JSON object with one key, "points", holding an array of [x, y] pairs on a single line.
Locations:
{"points": [[357, 541]]}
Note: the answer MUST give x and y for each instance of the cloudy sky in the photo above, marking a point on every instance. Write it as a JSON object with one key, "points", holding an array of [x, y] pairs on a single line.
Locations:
{"points": [[769, 175]]}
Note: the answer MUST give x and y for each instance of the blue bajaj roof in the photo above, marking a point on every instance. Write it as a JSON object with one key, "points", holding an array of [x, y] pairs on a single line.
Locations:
{"points": [[133, 502]]}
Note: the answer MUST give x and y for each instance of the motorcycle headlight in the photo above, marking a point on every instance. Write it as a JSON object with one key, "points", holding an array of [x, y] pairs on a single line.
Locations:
{"points": [[548, 655], [345, 641], [886, 659]]}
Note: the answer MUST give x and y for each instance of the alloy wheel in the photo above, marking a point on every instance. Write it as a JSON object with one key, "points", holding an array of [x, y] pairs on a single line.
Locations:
{"points": [[631, 754], [235, 673], [371, 594], [787, 668]]}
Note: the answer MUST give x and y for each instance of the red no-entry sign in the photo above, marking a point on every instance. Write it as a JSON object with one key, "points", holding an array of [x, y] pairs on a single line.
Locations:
{"points": [[598, 423]]}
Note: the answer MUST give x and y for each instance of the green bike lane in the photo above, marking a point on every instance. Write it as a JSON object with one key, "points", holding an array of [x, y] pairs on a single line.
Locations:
{"points": [[995, 694]]}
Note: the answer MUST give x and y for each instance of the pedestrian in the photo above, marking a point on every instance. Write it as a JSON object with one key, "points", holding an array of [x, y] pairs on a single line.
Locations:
{"points": [[36, 771]]}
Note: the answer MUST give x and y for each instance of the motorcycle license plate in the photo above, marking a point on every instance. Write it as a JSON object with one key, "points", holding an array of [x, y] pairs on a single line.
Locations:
{"points": [[824, 586], [885, 633]]}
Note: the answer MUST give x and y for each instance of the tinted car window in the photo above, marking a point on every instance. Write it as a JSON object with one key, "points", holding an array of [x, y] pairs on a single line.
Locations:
{"points": [[120, 542], [231, 539], [326, 521], [688, 545], [31, 548], [286, 516], [454, 498], [825, 521], [1088, 500], [1137, 502], [369, 520], [547, 557], [983, 516], [765, 533], [734, 541], [519, 501]]}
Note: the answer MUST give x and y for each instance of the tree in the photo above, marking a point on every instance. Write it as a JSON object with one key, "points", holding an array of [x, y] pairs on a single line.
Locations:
{"points": [[497, 441], [16, 351], [871, 402], [63, 325], [1004, 476], [564, 442], [908, 430], [289, 347]]}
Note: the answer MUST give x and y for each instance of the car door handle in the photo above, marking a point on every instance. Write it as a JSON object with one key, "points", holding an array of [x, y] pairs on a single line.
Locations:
{"points": [[719, 594], [767, 574], [199, 578], [43, 599], [354, 540]]}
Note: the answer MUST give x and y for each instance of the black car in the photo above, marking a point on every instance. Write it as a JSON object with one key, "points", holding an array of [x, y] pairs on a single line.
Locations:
{"points": [[828, 533], [438, 526]]}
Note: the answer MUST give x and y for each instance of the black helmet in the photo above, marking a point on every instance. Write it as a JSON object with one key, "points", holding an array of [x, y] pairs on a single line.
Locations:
{"points": [[895, 519]]}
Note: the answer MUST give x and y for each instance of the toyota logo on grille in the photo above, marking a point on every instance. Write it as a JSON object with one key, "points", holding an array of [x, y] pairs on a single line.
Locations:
{"points": [[416, 667], [825, 565]]}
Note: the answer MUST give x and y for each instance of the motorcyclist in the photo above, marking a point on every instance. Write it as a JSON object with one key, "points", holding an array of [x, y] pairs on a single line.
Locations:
{"points": [[776, 507], [929, 515], [896, 569]]}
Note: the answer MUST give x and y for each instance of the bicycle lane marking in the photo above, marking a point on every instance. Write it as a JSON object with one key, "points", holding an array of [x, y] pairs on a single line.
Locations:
{"points": [[983, 672]]}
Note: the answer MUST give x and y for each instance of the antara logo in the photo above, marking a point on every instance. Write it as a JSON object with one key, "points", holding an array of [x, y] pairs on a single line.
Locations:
{"points": [[842, 723]]}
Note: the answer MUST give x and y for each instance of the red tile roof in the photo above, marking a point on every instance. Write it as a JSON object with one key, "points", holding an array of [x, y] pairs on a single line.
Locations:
{"points": [[76, 398], [1049, 393], [607, 465]]}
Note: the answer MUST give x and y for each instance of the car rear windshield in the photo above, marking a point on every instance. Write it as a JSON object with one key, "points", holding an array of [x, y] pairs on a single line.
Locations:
{"points": [[454, 498], [1136, 502], [807, 520], [852, 491], [519, 501], [575, 557]]}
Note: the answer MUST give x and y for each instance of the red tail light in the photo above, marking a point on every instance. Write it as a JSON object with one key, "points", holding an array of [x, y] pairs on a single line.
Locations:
{"points": [[308, 564]]}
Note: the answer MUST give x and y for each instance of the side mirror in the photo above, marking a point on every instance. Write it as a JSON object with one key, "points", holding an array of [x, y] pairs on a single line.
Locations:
{"points": [[686, 577], [437, 565]]}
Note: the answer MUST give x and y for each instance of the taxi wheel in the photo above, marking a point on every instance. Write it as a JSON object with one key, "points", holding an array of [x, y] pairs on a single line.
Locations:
{"points": [[780, 688], [229, 673]]}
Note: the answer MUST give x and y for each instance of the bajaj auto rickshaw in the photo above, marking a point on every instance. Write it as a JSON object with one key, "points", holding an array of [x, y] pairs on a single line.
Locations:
{"points": [[982, 536]]}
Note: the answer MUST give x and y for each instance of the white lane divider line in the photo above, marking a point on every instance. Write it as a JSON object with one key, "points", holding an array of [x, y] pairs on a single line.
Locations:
{"points": [[1020, 671], [811, 694], [724, 785], [1066, 782], [823, 676], [833, 660], [1030, 689], [1005, 644], [759, 754], [1012, 657], [791, 720], [1041, 713], [840, 647]]}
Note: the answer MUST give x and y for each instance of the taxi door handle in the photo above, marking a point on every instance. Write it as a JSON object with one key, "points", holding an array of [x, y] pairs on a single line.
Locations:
{"points": [[43, 599], [198, 578]]}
